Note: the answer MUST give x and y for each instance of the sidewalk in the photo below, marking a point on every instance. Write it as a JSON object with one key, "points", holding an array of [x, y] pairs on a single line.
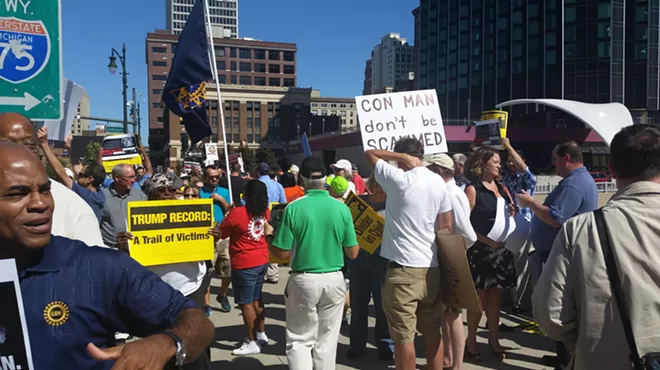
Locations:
{"points": [[524, 350]]}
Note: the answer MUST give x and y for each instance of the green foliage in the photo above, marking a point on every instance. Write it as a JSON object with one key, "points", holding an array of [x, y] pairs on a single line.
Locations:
{"points": [[91, 152], [249, 160], [265, 155], [51, 173]]}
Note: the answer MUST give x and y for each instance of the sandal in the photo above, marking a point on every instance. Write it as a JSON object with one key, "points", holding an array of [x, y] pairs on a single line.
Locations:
{"points": [[499, 355]]}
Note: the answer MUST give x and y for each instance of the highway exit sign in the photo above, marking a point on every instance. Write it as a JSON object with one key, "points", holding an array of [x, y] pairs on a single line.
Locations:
{"points": [[114, 129], [30, 58]]}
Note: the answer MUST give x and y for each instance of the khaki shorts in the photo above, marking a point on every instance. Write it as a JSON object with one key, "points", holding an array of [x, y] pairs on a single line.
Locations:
{"points": [[412, 300], [222, 262]]}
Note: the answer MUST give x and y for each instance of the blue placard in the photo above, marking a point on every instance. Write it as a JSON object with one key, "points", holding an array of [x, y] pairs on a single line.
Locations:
{"points": [[305, 145]]}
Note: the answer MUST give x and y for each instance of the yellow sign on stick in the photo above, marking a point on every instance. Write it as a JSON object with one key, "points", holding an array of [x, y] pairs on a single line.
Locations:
{"points": [[171, 231], [369, 225]]}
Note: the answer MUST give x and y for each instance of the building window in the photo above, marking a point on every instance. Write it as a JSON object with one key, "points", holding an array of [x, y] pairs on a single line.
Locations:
{"points": [[221, 65], [260, 81], [260, 67], [273, 55], [232, 52], [245, 80], [159, 49], [273, 68], [222, 78], [159, 63], [603, 11], [245, 53], [219, 51], [245, 67], [156, 105], [156, 91], [569, 14], [233, 80], [159, 119], [288, 56], [289, 82], [551, 57], [289, 69], [237, 138], [159, 77], [233, 67], [250, 138], [234, 106], [259, 54]]}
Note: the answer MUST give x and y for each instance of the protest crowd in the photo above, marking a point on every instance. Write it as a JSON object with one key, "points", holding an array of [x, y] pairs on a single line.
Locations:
{"points": [[90, 303]]}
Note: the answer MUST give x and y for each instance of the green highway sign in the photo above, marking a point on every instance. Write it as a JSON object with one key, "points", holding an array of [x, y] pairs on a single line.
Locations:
{"points": [[114, 129], [31, 58]]}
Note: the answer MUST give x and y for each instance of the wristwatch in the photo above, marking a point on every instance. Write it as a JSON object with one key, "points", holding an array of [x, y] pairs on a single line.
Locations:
{"points": [[181, 350]]}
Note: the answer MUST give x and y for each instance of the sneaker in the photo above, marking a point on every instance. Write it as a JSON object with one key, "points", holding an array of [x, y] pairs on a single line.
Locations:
{"points": [[224, 303], [262, 339], [248, 348], [208, 311]]}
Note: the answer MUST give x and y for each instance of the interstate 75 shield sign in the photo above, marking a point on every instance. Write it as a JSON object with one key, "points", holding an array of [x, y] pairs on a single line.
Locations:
{"points": [[30, 58]]}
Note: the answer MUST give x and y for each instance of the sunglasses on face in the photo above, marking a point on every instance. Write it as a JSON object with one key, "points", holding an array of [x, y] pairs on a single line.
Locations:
{"points": [[214, 177], [189, 196], [166, 190]]}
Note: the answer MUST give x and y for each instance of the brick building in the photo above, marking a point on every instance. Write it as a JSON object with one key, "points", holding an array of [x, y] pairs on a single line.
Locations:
{"points": [[249, 71]]}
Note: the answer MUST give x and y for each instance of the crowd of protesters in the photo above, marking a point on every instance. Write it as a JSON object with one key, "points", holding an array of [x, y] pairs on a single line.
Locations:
{"points": [[548, 257]]}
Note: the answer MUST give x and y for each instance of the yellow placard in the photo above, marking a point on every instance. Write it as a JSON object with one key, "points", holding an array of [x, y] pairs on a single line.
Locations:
{"points": [[171, 231], [369, 225], [133, 161], [497, 114]]}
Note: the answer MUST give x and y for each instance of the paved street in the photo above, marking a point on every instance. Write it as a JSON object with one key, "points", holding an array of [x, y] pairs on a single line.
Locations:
{"points": [[524, 350]]}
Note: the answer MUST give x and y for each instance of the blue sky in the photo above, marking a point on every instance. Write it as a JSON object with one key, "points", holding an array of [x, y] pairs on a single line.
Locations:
{"points": [[334, 40]]}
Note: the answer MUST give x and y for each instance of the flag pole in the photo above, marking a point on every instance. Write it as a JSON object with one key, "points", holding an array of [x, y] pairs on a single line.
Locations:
{"points": [[214, 70]]}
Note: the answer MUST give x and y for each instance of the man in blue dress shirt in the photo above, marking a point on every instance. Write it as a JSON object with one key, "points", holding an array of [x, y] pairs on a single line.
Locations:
{"points": [[76, 297]]}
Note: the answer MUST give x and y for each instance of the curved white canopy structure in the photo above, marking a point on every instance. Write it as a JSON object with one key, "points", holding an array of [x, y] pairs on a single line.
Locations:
{"points": [[606, 119]]}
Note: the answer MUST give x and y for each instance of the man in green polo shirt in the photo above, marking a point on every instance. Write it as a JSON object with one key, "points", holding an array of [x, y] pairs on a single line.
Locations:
{"points": [[321, 228]]}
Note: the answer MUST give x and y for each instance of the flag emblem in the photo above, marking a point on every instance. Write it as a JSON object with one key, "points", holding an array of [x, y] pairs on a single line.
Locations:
{"points": [[190, 97]]}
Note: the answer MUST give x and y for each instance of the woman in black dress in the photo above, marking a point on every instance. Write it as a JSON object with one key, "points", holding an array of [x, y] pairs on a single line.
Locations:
{"points": [[490, 263]]}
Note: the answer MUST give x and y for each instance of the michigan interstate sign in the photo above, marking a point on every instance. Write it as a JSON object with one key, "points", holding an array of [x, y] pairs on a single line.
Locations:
{"points": [[30, 58]]}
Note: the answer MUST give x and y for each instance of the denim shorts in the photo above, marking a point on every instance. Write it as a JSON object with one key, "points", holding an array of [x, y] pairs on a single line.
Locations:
{"points": [[247, 284]]}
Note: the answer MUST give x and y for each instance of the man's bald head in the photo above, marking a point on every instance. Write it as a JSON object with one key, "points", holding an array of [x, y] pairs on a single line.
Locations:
{"points": [[19, 129], [26, 205]]}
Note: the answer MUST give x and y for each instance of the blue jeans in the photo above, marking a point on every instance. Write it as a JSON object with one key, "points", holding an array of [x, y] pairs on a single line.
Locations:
{"points": [[366, 275], [248, 283]]}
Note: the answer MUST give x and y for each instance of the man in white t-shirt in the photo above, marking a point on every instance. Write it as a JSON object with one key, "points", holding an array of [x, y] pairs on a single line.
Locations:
{"points": [[453, 333], [417, 206], [73, 218]]}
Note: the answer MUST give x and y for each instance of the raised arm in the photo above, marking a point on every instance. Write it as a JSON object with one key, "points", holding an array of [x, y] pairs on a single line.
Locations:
{"points": [[374, 155], [517, 160], [148, 169], [54, 162]]}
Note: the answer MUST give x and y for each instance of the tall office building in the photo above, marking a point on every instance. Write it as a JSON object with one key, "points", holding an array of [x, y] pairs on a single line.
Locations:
{"points": [[224, 16], [391, 60], [480, 53]]}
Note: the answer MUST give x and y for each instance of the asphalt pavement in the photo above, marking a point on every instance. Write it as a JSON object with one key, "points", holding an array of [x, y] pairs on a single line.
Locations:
{"points": [[524, 349]]}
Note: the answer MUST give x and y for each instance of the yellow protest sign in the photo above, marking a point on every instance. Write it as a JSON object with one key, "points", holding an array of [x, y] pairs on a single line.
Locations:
{"points": [[171, 231], [501, 115], [369, 225]]}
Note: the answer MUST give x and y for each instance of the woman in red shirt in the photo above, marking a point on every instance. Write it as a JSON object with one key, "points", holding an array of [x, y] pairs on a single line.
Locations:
{"points": [[248, 251]]}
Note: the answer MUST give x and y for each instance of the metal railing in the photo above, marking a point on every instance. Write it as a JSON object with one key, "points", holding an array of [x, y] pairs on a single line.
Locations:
{"points": [[603, 187]]}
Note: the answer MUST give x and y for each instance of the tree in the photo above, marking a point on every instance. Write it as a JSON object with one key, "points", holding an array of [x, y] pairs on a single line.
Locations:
{"points": [[265, 155], [51, 172], [91, 152], [249, 161]]}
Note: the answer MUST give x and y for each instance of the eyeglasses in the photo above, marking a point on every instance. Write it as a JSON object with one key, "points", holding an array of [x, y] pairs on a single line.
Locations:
{"points": [[189, 196], [166, 190]]}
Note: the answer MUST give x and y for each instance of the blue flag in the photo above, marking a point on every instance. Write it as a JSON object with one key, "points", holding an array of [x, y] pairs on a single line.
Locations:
{"points": [[305, 145], [184, 93]]}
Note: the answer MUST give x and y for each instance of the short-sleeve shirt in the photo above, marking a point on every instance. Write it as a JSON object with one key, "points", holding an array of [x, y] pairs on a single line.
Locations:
{"points": [[516, 183], [275, 190], [415, 198], [237, 187], [75, 295], [247, 239], [218, 212], [574, 195], [115, 212], [96, 200], [319, 236], [73, 218]]}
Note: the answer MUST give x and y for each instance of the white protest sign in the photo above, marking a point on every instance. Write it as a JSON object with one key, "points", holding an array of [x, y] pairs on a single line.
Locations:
{"points": [[211, 151], [387, 118], [15, 350]]}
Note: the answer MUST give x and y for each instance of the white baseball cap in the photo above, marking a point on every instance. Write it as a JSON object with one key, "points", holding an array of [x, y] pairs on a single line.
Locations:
{"points": [[294, 169], [343, 164], [439, 159]]}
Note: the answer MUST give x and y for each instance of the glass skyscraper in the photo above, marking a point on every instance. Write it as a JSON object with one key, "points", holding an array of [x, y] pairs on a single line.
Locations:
{"points": [[477, 53]]}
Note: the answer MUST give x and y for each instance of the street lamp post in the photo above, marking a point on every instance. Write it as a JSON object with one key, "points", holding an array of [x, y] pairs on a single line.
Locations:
{"points": [[112, 67]]}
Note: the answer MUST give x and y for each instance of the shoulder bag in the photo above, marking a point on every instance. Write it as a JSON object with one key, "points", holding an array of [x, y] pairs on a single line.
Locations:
{"points": [[650, 361]]}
